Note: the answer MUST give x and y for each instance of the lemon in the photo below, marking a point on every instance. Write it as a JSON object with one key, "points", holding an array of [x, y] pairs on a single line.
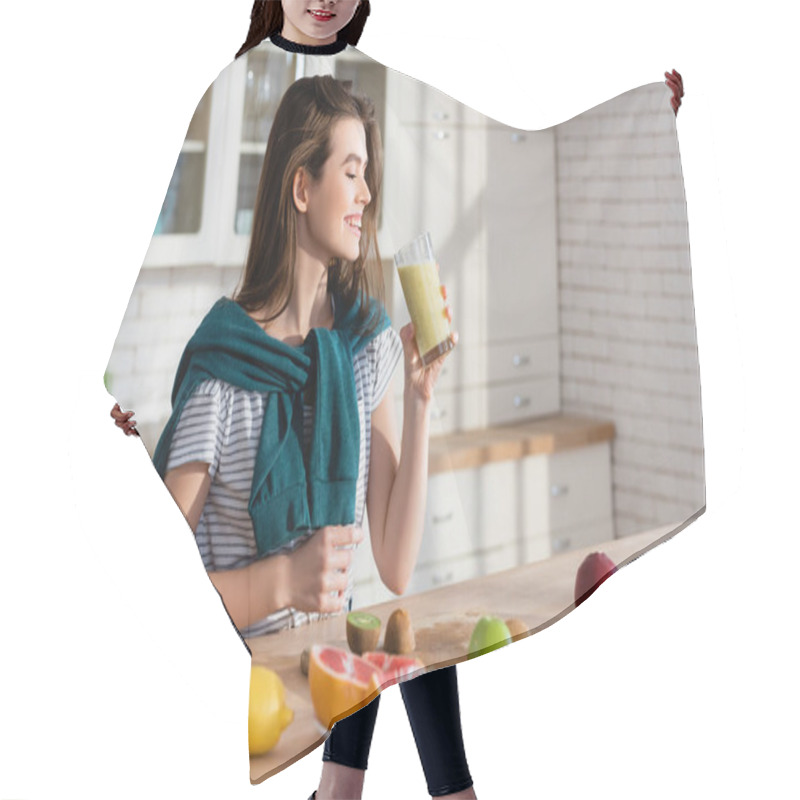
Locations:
{"points": [[268, 714]]}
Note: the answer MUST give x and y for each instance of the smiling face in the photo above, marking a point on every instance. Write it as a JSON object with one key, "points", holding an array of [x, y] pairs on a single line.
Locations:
{"points": [[331, 208], [315, 22]]}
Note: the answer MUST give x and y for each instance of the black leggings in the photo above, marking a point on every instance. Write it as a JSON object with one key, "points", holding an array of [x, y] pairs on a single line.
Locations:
{"points": [[432, 706]]}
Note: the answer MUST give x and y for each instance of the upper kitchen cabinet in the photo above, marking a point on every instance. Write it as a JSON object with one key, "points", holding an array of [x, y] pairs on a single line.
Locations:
{"points": [[416, 103], [486, 193], [208, 209], [522, 285], [434, 182]]}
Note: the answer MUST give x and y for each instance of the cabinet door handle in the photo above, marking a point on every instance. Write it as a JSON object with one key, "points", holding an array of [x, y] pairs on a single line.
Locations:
{"points": [[438, 580], [518, 137], [521, 402], [561, 545], [440, 116], [520, 361], [438, 413], [442, 518], [557, 490], [441, 135]]}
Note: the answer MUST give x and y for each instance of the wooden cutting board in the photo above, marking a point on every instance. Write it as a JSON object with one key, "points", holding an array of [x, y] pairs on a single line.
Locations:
{"points": [[539, 594]]}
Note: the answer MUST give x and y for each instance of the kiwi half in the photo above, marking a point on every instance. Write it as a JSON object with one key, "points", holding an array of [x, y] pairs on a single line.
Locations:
{"points": [[399, 638], [363, 631]]}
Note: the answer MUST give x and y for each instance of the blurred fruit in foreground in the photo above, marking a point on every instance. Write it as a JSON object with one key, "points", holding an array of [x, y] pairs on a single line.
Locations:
{"points": [[489, 634], [363, 631], [393, 668], [516, 627], [340, 682], [268, 713], [594, 569], [399, 636]]}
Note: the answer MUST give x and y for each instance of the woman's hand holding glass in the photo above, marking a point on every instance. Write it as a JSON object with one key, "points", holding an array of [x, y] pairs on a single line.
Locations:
{"points": [[419, 379], [317, 571]]}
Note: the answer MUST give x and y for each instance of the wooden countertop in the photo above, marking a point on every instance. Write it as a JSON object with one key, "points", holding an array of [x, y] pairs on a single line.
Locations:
{"points": [[539, 594], [471, 449]]}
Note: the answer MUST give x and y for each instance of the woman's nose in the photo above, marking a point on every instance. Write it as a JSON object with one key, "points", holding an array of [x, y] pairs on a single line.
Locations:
{"points": [[364, 195]]}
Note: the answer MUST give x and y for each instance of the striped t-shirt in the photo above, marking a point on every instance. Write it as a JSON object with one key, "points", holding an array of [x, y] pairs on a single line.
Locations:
{"points": [[221, 426]]}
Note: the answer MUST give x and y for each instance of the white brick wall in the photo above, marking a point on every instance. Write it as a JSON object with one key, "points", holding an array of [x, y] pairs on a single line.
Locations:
{"points": [[628, 347], [164, 310]]}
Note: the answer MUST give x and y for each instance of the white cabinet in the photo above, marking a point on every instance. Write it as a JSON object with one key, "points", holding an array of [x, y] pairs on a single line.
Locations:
{"points": [[522, 285], [504, 514], [486, 193], [568, 500]]}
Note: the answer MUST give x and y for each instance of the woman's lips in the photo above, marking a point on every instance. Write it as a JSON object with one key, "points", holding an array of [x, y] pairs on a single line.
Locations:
{"points": [[321, 16], [354, 224]]}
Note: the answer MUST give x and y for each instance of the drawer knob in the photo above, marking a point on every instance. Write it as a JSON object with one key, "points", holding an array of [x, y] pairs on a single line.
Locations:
{"points": [[520, 361], [561, 545], [521, 402], [438, 580], [438, 413], [558, 490], [441, 135], [440, 116], [518, 137], [440, 519]]}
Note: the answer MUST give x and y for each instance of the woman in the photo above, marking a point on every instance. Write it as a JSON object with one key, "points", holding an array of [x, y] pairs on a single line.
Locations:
{"points": [[281, 380], [292, 22]]}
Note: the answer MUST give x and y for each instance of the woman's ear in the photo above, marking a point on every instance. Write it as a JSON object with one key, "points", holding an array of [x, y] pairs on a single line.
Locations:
{"points": [[300, 191]]}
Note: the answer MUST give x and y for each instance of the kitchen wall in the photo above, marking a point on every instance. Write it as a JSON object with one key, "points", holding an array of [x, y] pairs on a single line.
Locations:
{"points": [[164, 310], [628, 342]]}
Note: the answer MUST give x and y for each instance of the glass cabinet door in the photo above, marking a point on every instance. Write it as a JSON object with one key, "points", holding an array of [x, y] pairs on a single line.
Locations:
{"points": [[182, 210], [268, 76]]}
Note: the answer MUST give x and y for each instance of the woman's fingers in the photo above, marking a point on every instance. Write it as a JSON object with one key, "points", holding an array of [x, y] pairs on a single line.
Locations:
{"points": [[344, 535], [124, 420]]}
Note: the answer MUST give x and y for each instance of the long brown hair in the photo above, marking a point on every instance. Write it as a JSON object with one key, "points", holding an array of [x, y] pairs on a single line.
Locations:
{"points": [[300, 139], [266, 19]]}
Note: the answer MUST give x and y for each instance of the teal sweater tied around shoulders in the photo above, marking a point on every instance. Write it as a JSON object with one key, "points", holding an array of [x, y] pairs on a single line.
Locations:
{"points": [[288, 495]]}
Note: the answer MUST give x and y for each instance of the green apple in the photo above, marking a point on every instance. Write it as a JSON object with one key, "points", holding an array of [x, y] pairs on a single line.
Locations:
{"points": [[489, 634]]}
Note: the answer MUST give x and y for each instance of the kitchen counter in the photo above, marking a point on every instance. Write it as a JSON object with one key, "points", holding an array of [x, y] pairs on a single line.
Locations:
{"points": [[539, 594], [470, 449]]}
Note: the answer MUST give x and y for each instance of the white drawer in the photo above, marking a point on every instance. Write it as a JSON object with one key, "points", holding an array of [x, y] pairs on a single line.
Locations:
{"points": [[433, 576], [486, 365], [566, 489], [580, 486], [494, 499], [522, 400], [449, 525], [458, 410], [526, 359], [465, 366], [536, 548], [586, 535], [499, 558]]}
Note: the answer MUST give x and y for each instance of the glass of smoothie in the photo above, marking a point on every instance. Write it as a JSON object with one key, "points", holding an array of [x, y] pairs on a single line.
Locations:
{"points": [[419, 277]]}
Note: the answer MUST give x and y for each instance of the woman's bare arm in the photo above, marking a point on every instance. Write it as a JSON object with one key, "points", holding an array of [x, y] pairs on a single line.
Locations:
{"points": [[398, 477], [311, 578], [397, 490]]}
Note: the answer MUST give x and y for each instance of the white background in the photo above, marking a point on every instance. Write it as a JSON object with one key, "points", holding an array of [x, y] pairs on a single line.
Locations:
{"points": [[120, 675]]}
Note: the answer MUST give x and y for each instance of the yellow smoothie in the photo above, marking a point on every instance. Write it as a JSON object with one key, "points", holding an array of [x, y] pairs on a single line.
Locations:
{"points": [[426, 306]]}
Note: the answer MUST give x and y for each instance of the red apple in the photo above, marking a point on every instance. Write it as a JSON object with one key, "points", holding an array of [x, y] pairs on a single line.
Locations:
{"points": [[594, 569]]}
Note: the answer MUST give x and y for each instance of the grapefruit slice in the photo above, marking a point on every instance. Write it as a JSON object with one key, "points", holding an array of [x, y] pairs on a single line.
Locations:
{"points": [[340, 683], [393, 669]]}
